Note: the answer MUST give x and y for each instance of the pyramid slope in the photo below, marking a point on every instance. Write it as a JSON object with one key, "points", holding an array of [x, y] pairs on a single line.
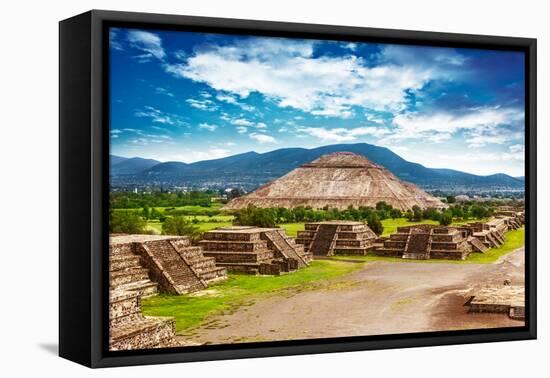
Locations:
{"points": [[338, 180]]}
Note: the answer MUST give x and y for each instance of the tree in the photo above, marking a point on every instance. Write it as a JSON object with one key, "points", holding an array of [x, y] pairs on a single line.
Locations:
{"points": [[417, 213], [451, 199], [180, 226], [146, 212], [375, 224], [126, 222], [446, 218], [255, 216], [395, 213], [155, 214], [235, 193]]}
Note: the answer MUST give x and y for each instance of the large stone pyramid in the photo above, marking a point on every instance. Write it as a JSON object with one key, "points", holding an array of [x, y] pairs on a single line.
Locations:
{"points": [[338, 180]]}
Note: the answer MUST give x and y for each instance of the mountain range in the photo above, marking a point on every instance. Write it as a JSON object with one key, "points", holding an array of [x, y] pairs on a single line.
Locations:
{"points": [[251, 169]]}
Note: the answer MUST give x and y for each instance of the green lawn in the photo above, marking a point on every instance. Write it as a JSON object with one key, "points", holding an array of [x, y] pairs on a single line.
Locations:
{"points": [[292, 228], [512, 241], [191, 310]]}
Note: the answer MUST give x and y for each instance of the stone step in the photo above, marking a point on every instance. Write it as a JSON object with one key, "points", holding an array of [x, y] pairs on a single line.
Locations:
{"points": [[187, 288], [237, 246], [217, 274], [204, 263], [351, 251], [123, 304], [118, 249], [145, 288], [145, 333], [238, 257], [128, 275], [123, 262]]}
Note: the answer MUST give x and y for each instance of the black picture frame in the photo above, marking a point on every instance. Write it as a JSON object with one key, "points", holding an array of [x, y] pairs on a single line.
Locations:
{"points": [[84, 187]]}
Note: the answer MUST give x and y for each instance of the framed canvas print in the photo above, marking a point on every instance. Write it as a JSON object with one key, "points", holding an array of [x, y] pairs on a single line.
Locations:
{"points": [[233, 188]]}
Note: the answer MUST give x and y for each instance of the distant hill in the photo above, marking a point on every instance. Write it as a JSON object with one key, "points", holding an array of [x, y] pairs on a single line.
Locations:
{"points": [[116, 159], [252, 169], [130, 166]]}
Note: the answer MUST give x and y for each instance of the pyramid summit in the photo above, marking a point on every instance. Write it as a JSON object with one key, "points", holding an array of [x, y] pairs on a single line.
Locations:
{"points": [[338, 180]]}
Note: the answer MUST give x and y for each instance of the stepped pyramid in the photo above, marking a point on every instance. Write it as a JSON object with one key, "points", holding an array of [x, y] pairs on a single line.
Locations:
{"points": [[337, 238], [426, 241], [147, 263], [254, 250], [338, 180]]}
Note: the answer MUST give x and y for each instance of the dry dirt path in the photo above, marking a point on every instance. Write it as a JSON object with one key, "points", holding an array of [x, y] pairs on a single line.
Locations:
{"points": [[381, 298]]}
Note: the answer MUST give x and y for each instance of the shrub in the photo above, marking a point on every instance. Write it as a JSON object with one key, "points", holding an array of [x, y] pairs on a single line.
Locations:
{"points": [[180, 226], [375, 224], [126, 222], [446, 218]]}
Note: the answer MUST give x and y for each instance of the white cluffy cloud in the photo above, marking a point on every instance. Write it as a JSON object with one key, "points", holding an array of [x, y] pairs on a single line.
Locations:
{"points": [[262, 138], [342, 134], [202, 104], [481, 126], [207, 126], [288, 73], [156, 115], [149, 43]]}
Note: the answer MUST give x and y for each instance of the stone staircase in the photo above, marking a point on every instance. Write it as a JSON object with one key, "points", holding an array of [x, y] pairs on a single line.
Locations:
{"points": [[287, 248], [127, 274], [149, 263], [130, 330], [498, 236], [171, 271], [477, 245], [418, 246], [323, 239], [204, 267], [492, 242]]}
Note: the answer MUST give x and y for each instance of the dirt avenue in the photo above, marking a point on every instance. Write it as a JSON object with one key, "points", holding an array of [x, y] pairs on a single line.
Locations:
{"points": [[379, 298]]}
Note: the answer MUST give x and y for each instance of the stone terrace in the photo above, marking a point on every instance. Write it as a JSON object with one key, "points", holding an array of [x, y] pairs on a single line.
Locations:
{"points": [[425, 242], [146, 263], [337, 238], [254, 250], [129, 329], [504, 299]]}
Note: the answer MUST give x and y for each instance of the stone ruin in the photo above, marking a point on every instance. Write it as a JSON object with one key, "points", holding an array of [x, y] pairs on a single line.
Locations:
{"points": [[142, 265], [129, 329], [491, 233], [427, 241], [170, 263], [254, 250], [337, 238], [506, 299], [337, 180]]}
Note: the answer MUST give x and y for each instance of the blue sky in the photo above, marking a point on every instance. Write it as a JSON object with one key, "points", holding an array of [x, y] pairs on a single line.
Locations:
{"points": [[179, 96]]}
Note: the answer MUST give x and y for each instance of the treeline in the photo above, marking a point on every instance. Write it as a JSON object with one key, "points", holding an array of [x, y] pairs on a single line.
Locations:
{"points": [[270, 217], [130, 200], [132, 222]]}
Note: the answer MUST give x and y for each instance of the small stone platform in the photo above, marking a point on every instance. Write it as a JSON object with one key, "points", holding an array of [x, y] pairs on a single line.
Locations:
{"points": [[254, 250], [337, 238], [427, 241], [506, 299]]}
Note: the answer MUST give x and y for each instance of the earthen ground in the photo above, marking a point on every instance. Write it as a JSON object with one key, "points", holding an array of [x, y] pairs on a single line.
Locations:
{"points": [[381, 298]]}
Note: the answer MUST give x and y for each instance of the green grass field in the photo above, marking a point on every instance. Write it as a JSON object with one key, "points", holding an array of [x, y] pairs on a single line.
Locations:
{"points": [[239, 290], [512, 241], [207, 223]]}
